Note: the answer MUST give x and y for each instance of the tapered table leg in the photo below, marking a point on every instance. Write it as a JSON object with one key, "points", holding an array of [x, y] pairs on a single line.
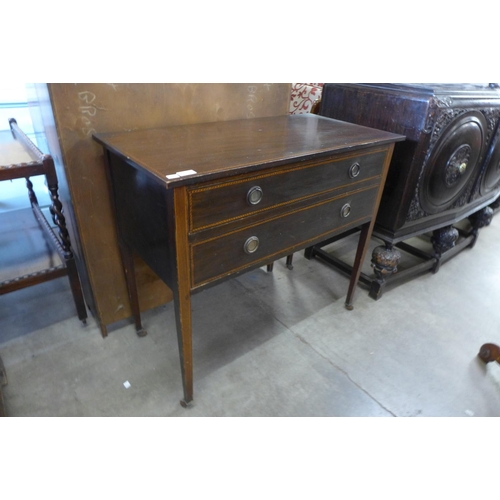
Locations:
{"points": [[76, 289], [182, 293], [129, 269], [364, 240], [182, 304]]}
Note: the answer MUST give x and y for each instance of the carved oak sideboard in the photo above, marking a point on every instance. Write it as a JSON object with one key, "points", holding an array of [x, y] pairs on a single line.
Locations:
{"points": [[447, 170]]}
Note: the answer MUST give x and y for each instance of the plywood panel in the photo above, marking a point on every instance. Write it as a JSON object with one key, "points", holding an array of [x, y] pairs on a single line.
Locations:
{"points": [[68, 115]]}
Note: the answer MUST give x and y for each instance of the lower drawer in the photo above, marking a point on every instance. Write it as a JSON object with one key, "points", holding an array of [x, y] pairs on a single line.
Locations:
{"points": [[261, 243]]}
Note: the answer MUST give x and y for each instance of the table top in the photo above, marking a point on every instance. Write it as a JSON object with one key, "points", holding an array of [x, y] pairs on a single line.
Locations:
{"points": [[214, 150]]}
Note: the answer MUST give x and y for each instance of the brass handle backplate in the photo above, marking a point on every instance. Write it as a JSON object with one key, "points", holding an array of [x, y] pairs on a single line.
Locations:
{"points": [[254, 195], [345, 210], [251, 245], [354, 170]]}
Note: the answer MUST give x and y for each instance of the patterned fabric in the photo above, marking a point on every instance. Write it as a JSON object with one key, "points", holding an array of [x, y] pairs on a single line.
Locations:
{"points": [[303, 96]]}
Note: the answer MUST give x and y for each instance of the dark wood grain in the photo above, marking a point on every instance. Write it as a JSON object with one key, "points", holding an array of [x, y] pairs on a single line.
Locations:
{"points": [[219, 149], [142, 206]]}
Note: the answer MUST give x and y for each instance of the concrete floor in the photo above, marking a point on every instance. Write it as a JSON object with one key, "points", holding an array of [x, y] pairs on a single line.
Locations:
{"points": [[279, 344]]}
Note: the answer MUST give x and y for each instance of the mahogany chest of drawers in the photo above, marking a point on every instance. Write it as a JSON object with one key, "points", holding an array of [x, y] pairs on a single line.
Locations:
{"points": [[201, 203]]}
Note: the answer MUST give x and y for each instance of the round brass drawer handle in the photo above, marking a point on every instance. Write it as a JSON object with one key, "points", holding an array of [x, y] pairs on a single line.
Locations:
{"points": [[251, 245], [254, 195], [345, 210], [354, 170]]}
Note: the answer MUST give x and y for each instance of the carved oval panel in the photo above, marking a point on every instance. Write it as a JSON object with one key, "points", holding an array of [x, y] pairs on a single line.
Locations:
{"points": [[453, 162], [491, 177]]}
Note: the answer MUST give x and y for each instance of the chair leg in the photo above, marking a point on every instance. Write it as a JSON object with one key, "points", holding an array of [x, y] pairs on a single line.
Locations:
{"points": [[57, 213], [76, 290], [288, 264]]}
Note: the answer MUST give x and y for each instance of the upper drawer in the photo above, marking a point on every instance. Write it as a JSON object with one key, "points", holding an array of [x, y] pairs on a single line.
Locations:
{"points": [[238, 197]]}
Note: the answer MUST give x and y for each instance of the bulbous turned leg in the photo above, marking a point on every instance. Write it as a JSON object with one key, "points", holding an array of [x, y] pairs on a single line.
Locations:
{"points": [[495, 204], [489, 352], [479, 220], [385, 260], [443, 239]]}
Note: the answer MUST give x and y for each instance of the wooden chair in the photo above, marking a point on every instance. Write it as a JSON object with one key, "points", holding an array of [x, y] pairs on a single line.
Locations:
{"points": [[43, 164]]}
